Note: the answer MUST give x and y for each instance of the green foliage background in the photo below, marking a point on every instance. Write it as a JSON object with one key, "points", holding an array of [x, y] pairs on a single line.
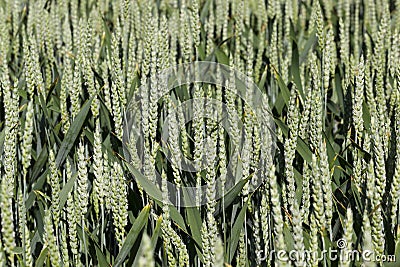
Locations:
{"points": [[68, 69]]}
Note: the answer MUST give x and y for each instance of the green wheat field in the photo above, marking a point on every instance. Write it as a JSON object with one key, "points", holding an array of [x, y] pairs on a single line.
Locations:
{"points": [[77, 190]]}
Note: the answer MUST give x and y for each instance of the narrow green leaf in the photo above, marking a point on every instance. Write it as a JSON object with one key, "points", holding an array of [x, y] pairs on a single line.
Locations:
{"points": [[221, 57], [42, 257], [153, 240], [194, 221], [295, 69], [263, 78], [235, 232], [133, 234], [176, 217], [284, 89], [283, 126], [156, 233], [101, 259], [66, 189], [73, 133], [17, 250], [289, 242], [310, 42], [2, 135], [40, 162], [204, 12], [304, 150], [150, 188], [37, 187], [234, 192]]}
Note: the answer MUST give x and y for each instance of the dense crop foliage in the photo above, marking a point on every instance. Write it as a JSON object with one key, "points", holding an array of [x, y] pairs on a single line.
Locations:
{"points": [[71, 196]]}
